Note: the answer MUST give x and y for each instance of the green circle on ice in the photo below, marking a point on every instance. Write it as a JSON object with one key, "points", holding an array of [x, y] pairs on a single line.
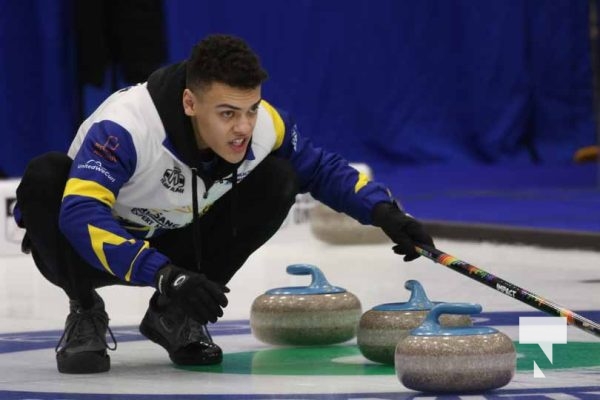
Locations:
{"points": [[347, 360]]}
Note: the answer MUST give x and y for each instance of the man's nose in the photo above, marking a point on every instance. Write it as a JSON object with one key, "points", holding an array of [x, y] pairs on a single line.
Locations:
{"points": [[244, 125]]}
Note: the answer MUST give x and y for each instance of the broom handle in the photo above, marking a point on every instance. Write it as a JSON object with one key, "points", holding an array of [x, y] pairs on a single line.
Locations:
{"points": [[509, 289]]}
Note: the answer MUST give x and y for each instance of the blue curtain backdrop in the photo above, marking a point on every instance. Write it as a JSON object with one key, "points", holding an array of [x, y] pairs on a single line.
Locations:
{"points": [[37, 86], [388, 82]]}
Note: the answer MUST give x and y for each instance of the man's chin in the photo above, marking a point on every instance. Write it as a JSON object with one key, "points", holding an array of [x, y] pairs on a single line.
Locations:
{"points": [[233, 158]]}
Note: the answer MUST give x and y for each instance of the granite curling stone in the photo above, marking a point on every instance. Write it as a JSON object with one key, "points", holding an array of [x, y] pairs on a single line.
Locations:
{"points": [[433, 358], [334, 227], [381, 328], [318, 314]]}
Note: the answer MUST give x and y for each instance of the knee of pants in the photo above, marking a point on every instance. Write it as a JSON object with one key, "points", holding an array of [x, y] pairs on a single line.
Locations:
{"points": [[44, 177]]}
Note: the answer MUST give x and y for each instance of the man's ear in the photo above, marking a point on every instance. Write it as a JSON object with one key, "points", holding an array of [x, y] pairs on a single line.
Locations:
{"points": [[189, 103]]}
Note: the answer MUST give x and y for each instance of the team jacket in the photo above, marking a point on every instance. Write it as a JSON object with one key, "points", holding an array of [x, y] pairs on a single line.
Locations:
{"points": [[131, 177]]}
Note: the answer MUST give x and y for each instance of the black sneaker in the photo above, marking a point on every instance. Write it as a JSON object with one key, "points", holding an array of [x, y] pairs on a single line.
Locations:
{"points": [[82, 346], [187, 341]]}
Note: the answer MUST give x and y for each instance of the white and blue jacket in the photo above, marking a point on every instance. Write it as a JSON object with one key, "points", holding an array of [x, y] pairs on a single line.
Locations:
{"points": [[131, 177]]}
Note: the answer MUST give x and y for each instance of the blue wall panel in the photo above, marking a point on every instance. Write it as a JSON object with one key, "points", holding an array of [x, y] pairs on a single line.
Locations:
{"points": [[389, 82]]}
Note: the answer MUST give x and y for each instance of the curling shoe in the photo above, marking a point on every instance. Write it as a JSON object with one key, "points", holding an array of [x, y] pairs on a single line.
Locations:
{"points": [[187, 341], [82, 346]]}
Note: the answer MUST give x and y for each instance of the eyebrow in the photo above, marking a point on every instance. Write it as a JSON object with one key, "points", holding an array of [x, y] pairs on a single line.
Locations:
{"points": [[231, 106]]}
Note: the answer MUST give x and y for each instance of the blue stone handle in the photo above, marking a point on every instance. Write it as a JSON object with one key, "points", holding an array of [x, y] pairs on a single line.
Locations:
{"points": [[318, 283], [418, 298], [431, 325]]}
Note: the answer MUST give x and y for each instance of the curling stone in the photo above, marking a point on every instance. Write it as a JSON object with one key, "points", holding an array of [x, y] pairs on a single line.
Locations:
{"points": [[317, 314], [433, 358], [334, 227], [381, 328]]}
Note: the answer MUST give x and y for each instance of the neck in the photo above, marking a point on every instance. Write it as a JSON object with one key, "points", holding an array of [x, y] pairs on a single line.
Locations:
{"points": [[199, 142]]}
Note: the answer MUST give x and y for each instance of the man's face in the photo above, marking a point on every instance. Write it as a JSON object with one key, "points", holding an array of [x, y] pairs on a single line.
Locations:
{"points": [[223, 118]]}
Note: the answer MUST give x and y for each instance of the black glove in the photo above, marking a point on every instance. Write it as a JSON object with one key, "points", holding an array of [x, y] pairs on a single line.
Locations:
{"points": [[200, 298], [403, 229]]}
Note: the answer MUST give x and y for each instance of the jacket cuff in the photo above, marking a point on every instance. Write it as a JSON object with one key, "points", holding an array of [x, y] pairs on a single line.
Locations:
{"points": [[148, 265]]}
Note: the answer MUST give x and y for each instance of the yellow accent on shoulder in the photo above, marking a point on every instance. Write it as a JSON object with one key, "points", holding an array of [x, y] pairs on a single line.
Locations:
{"points": [[99, 237], [277, 122], [94, 190], [363, 179]]}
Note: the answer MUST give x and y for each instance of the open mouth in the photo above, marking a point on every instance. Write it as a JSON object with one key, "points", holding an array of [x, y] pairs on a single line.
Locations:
{"points": [[239, 143]]}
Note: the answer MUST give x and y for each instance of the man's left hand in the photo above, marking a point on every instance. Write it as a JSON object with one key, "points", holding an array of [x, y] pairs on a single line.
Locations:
{"points": [[403, 229]]}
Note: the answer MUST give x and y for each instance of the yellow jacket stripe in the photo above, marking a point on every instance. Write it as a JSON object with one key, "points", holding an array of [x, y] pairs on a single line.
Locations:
{"points": [[81, 187]]}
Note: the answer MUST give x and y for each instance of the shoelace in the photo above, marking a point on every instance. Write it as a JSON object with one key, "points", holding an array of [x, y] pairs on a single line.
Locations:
{"points": [[94, 316], [206, 333], [199, 332]]}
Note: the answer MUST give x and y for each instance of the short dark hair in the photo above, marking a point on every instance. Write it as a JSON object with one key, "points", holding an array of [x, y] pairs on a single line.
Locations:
{"points": [[226, 59]]}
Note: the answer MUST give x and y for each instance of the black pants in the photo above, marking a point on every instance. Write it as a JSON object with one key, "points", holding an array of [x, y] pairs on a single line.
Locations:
{"points": [[263, 201]]}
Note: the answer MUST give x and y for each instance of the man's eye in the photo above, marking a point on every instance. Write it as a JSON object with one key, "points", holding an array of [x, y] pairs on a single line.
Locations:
{"points": [[253, 110], [227, 114]]}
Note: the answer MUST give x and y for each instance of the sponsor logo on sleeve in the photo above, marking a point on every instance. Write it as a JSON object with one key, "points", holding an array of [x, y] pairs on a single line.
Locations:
{"points": [[108, 149], [95, 165]]}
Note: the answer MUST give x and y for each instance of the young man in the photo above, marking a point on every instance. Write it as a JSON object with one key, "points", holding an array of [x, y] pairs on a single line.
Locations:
{"points": [[173, 183]]}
